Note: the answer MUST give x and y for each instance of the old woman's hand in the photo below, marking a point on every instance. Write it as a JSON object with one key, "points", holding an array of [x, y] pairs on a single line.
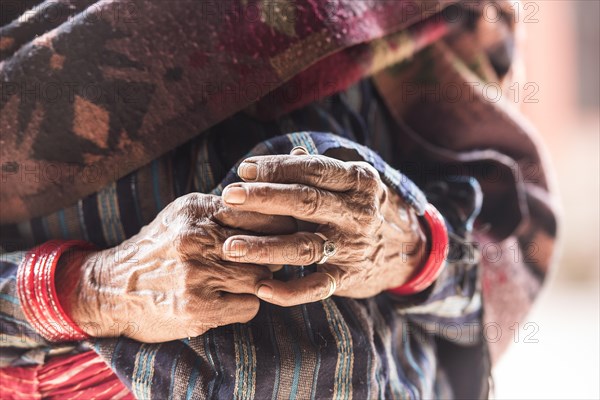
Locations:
{"points": [[170, 281], [376, 238]]}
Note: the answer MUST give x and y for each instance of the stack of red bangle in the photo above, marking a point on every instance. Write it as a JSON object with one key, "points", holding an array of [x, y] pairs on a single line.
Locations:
{"points": [[437, 256], [37, 291]]}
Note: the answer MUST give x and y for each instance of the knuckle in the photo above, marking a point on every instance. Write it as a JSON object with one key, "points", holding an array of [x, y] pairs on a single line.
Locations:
{"points": [[368, 213], [361, 212], [344, 279], [197, 204], [323, 291], [310, 200], [371, 196], [366, 175], [186, 243], [376, 222], [308, 249], [270, 169], [316, 168], [189, 210], [189, 201], [184, 237], [318, 291], [181, 243]]}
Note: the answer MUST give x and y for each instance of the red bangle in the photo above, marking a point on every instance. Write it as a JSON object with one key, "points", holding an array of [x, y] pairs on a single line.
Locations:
{"points": [[37, 294], [436, 259]]}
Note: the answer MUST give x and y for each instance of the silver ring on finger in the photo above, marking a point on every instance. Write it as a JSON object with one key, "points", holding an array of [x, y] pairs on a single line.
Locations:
{"points": [[332, 285], [329, 248], [304, 149]]}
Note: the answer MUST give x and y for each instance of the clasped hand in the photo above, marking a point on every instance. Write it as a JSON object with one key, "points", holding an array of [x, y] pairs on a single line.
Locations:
{"points": [[377, 237], [206, 260]]}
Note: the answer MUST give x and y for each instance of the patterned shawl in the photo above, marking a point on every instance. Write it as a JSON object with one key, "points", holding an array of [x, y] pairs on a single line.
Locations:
{"points": [[162, 72]]}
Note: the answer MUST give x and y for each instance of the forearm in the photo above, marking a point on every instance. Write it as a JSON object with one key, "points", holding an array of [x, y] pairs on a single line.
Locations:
{"points": [[80, 292]]}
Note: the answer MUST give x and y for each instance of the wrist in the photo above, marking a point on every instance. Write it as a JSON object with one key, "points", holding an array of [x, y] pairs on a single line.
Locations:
{"points": [[419, 252], [407, 242], [431, 258], [76, 294], [38, 294]]}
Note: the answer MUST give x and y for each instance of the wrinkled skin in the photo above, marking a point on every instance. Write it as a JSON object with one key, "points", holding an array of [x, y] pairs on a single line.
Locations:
{"points": [[169, 281], [378, 238], [205, 260]]}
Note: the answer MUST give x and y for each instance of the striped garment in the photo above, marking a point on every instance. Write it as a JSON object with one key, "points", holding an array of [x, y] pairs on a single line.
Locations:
{"points": [[339, 348], [68, 377]]}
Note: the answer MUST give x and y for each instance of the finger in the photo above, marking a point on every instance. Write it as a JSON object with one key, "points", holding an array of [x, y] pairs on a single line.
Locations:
{"points": [[256, 222], [313, 170], [201, 205], [299, 201], [219, 310], [204, 249], [314, 287], [302, 248], [235, 277]]}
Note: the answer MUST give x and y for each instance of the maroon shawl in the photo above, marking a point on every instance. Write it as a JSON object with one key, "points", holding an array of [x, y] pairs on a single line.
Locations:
{"points": [[160, 73]]}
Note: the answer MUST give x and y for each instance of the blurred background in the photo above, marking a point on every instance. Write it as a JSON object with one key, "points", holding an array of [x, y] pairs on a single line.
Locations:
{"points": [[561, 58]]}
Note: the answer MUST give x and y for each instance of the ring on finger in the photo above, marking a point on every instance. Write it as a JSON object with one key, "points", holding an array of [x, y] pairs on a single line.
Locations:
{"points": [[332, 285], [304, 149], [329, 248]]}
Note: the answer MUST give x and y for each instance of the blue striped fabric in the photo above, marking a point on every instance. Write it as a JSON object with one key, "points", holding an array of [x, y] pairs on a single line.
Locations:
{"points": [[340, 348]]}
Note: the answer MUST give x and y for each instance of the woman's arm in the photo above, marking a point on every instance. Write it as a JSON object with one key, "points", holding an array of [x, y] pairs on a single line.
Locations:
{"points": [[167, 282]]}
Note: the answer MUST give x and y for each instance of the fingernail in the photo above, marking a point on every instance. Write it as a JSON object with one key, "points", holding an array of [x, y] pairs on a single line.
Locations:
{"points": [[234, 195], [299, 151], [248, 171], [236, 247], [265, 292]]}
